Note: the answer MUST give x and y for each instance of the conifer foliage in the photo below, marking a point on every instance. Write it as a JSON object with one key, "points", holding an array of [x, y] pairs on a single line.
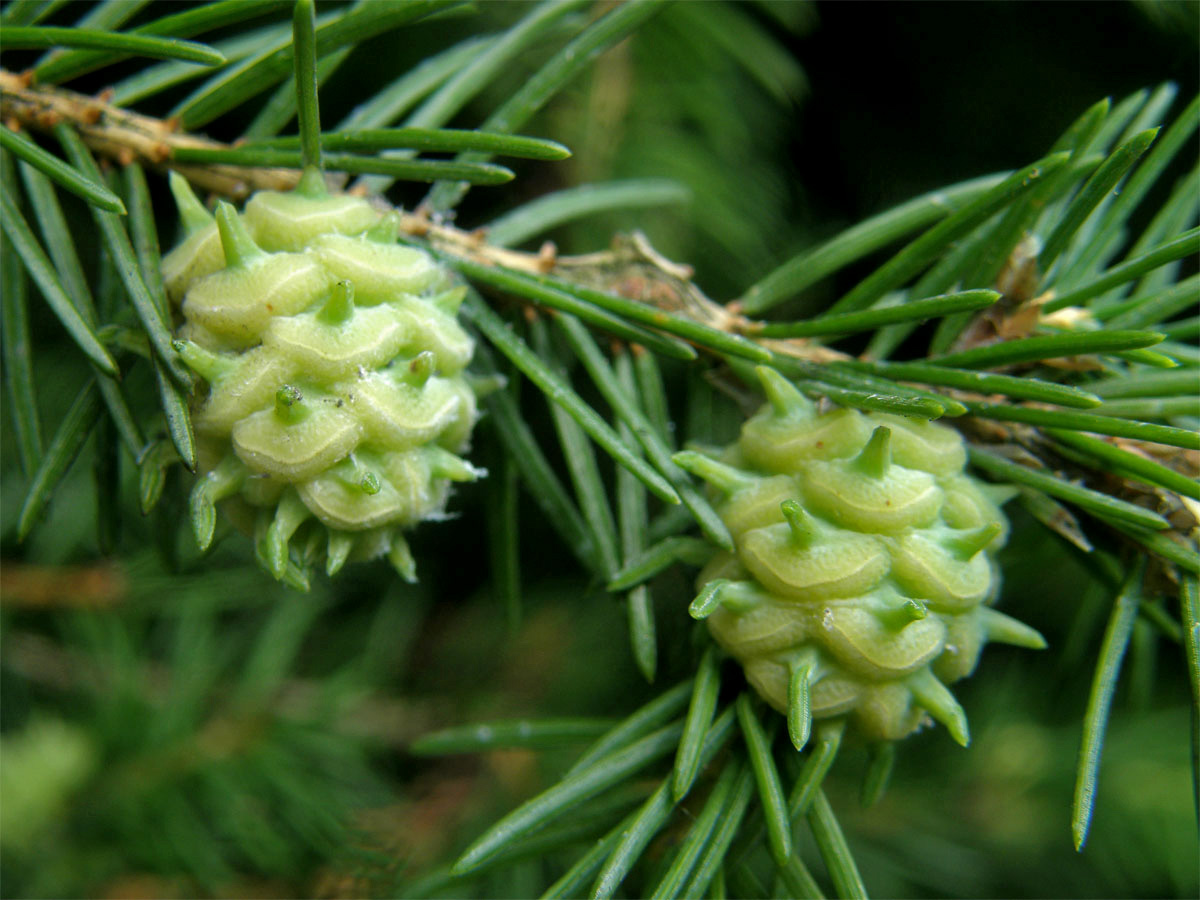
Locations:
{"points": [[651, 585]]}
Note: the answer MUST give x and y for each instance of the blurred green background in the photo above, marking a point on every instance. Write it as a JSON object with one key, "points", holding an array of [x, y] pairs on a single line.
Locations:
{"points": [[178, 726]]}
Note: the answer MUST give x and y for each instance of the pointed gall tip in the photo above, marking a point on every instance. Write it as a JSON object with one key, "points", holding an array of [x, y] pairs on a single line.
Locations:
{"points": [[340, 306], [276, 554], [386, 230], [298, 578], [208, 365], [239, 247], [939, 702], [968, 543], [223, 481], [192, 213], [420, 368], [901, 615], [801, 524], [876, 456], [288, 395], [785, 398], [338, 551], [289, 515], [444, 464], [401, 558], [289, 405], [1002, 629]]}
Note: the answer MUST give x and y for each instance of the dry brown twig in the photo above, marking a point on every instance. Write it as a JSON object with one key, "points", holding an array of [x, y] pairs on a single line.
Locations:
{"points": [[128, 137], [632, 267]]}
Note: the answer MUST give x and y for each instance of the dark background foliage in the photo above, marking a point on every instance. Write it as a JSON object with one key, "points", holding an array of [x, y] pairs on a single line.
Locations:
{"points": [[317, 698]]}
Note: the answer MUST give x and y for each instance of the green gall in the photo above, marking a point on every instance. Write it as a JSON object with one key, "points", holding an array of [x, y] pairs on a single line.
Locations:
{"points": [[862, 577], [378, 271], [291, 221], [335, 401]]}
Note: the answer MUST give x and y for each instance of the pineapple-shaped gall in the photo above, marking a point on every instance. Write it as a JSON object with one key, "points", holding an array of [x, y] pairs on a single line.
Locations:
{"points": [[336, 399], [862, 577]]}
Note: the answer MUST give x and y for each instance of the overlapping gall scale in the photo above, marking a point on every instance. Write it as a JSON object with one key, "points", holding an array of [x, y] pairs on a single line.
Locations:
{"points": [[335, 401], [863, 579]]}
